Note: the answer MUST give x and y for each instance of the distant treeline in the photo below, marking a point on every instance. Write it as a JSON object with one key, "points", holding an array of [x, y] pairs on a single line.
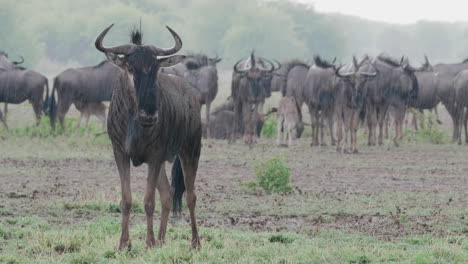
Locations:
{"points": [[64, 31]]}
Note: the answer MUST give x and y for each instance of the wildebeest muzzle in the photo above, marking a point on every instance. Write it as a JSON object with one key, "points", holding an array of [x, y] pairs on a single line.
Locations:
{"points": [[145, 119]]}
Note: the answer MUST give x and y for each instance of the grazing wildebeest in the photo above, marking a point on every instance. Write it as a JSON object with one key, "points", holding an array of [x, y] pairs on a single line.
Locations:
{"points": [[153, 118], [350, 97], [18, 85], [445, 73], [288, 120], [319, 95], [460, 84], [395, 86], [84, 85], [250, 87], [88, 109]]}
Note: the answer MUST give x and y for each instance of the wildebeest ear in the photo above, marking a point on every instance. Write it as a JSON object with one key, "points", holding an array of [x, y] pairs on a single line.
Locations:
{"points": [[115, 59], [171, 60]]}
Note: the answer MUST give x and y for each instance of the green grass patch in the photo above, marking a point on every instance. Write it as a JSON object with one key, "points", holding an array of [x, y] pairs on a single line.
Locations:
{"points": [[269, 127]]}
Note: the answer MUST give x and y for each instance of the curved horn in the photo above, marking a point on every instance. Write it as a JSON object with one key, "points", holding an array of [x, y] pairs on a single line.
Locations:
{"points": [[279, 65], [19, 62], [166, 52], [272, 66], [237, 70], [337, 72], [369, 74], [334, 60], [125, 49]]}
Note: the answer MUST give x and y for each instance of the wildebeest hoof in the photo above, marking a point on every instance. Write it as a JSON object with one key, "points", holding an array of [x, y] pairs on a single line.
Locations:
{"points": [[150, 242], [196, 243], [125, 245]]}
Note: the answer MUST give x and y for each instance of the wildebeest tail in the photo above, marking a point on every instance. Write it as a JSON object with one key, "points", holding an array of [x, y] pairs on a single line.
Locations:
{"points": [[178, 186], [46, 101], [53, 106]]}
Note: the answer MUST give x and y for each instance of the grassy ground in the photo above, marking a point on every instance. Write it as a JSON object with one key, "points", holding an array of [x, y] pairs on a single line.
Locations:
{"points": [[59, 202]]}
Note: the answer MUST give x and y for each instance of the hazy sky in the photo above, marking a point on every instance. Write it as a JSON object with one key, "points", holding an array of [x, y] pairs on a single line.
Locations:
{"points": [[397, 11]]}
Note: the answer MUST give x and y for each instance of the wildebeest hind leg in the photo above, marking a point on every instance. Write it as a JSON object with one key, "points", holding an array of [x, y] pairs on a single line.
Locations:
{"points": [[123, 166], [189, 167], [2, 119], [37, 107], [149, 200], [166, 201]]}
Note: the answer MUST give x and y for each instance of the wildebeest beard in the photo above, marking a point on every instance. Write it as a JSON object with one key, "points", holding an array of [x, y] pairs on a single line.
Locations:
{"points": [[255, 87]]}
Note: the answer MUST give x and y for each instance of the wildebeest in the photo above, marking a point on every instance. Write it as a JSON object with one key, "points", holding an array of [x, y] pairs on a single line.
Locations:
{"points": [[6, 63], [88, 109], [288, 120], [84, 85], [319, 95], [153, 118], [350, 97], [445, 73], [202, 74], [250, 86], [460, 84], [296, 74], [18, 85], [395, 86]]}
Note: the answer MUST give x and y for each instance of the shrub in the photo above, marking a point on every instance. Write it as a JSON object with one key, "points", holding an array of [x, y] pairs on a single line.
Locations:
{"points": [[273, 175], [269, 127]]}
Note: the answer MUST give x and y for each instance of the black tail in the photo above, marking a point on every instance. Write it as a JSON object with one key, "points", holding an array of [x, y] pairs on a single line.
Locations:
{"points": [[46, 101], [53, 106], [178, 186]]}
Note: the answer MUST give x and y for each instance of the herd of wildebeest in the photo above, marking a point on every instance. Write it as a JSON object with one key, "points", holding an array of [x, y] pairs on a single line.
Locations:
{"points": [[155, 101]]}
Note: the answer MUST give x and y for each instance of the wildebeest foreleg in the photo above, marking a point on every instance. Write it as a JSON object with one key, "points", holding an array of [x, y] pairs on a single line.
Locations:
{"points": [[279, 127], [123, 166], [149, 200], [162, 184], [465, 124], [5, 111], [189, 167], [371, 124], [339, 129]]}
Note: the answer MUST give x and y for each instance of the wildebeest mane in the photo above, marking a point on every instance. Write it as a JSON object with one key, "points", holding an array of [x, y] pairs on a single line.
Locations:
{"points": [[136, 36], [322, 63]]}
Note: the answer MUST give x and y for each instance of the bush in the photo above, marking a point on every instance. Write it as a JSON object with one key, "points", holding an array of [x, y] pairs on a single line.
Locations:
{"points": [[429, 130], [273, 176], [269, 127]]}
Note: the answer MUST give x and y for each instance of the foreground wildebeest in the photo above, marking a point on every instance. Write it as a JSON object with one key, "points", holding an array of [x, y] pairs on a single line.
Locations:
{"points": [[445, 73], [84, 85], [288, 120], [153, 118], [395, 86], [88, 109], [319, 95], [250, 86], [18, 85], [350, 96]]}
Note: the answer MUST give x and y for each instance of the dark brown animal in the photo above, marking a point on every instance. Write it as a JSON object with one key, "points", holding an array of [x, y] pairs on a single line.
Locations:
{"points": [[153, 118], [350, 97], [460, 84], [18, 85], [250, 87], [319, 95]]}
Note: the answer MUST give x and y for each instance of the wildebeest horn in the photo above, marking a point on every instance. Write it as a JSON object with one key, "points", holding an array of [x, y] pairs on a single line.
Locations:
{"points": [[272, 66], [369, 74], [125, 49], [355, 63], [237, 70], [19, 62], [170, 51], [337, 72], [279, 65]]}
